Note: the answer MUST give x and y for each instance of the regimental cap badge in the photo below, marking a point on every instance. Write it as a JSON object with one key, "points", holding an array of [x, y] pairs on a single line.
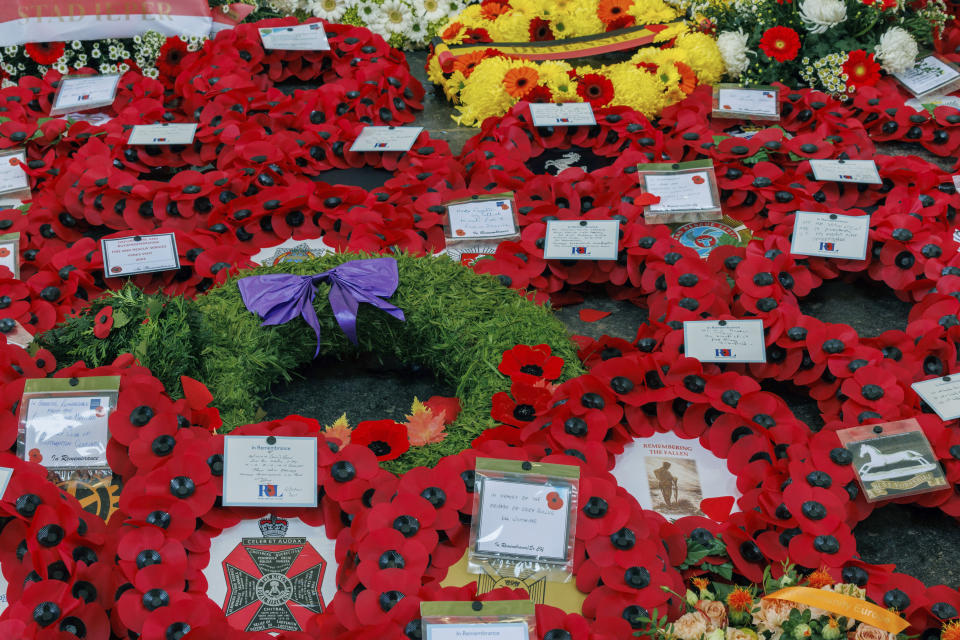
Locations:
{"points": [[273, 527]]}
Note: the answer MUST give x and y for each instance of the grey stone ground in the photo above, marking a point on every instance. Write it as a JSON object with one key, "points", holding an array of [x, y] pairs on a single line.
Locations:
{"points": [[922, 542]]}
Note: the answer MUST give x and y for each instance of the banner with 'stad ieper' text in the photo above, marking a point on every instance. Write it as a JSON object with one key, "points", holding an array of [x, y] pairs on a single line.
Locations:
{"points": [[23, 21]]}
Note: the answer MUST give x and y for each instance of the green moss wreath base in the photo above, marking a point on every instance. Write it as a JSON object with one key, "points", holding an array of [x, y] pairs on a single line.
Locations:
{"points": [[458, 323]]}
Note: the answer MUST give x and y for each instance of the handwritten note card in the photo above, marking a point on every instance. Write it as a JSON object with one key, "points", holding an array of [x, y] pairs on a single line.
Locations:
{"points": [[79, 93], [566, 114], [581, 240], [523, 519], [478, 631], [942, 394], [482, 219], [929, 74], [681, 191], [830, 235], [68, 431], [139, 254], [846, 171], [13, 178], [163, 133], [386, 139], [724, 340], [302, 37], [269, 471]]}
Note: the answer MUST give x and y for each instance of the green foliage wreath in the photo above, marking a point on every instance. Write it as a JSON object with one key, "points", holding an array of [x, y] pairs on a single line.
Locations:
{"points": [[458, 324]]}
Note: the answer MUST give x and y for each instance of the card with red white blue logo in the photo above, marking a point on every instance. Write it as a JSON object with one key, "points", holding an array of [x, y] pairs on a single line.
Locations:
{"points": [[485, 217], [863, 171], [748, 103], [564, 114], [830, 235], [581, 240], [269, 471], [724, 340], [139, 254], [81, 93], [301, 37], [386, 139], [163, 133]]}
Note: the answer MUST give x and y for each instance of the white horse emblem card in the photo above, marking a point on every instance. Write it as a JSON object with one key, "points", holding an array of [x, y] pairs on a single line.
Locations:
{"points": [[893, 459]]}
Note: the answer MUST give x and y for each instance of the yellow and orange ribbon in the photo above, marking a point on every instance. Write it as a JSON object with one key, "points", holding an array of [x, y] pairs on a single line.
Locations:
{"points": [[843, 605]]}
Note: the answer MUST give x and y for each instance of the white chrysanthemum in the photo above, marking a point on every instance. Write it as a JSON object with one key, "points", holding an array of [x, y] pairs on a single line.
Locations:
{"points": [[283, 7], [329, 10], [733, 50], [393, 17], [897, 50], [820, 15]]}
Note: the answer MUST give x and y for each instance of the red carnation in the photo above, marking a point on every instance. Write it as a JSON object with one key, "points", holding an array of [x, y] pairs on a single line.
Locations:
{"points": [[386, 438], [780, 43], [45, 52], [595, 89]]}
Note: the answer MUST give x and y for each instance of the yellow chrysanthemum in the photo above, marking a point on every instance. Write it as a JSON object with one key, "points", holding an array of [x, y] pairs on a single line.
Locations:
{"points": [[652, 12], [512, 26], [484, 95], [554, 75], [583, 21], [636, 89], [703, 55]]}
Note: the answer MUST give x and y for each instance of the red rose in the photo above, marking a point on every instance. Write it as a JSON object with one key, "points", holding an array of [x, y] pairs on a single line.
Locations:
{"points": [[780, 43]]}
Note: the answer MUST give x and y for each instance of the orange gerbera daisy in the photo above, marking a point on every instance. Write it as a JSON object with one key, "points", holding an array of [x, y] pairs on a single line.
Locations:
{"points": [[688, 77], [740, 599], [466, 63], [520, 81], [819, 578], [491, 9], [612, 10]]}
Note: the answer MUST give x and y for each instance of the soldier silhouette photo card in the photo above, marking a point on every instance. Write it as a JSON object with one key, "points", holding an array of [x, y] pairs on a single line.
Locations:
{"points": [[893, 459]]}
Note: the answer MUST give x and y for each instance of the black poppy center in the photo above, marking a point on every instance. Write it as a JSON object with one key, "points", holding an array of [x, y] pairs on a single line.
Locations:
{"points": [[379, 448], [524, 412]]}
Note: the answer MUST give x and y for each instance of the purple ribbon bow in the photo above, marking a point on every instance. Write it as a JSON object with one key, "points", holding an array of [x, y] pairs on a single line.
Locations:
{"points": [[281, 297]]}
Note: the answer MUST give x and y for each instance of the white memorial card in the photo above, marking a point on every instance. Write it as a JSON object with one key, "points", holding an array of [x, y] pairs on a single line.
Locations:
{"points": [[724, 340], [942, 394], [524, 519], [386, 139], [683, 191], [581, 240], [482, 219], [79, 93], [68, 431], [478, 631], [163, 133], [564, 114], [830, 235], [672, 475], [928, 75], [13, 178], [5, 474], [735, 102], [934, 101], [846, 171], [302, 37], [139, 254], [269, 471]]}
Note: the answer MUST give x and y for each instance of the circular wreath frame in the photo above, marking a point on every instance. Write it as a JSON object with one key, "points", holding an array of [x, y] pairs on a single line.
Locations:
{"points": [[458, 324]]}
